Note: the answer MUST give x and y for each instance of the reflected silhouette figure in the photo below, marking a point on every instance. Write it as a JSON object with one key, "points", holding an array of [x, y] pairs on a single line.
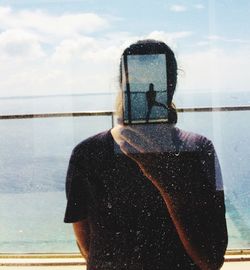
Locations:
{"points": [[151, 100]]}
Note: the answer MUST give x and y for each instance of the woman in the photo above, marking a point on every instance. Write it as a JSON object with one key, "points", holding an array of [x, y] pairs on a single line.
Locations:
{"points": [[147, 196]]}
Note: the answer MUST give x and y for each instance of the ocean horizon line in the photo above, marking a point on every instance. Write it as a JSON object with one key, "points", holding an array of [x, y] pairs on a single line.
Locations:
{"points": [[57, 95], [96, 93]]}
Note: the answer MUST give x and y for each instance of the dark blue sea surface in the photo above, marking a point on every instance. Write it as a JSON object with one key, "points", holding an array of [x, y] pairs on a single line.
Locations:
{"points": [[34, 155]]}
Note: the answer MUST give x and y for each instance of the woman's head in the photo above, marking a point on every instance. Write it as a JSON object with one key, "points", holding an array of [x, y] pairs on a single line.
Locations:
{"points": [[150, 46]]}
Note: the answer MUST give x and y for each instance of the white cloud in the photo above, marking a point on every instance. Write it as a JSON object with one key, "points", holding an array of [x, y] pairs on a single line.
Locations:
{"points": [[76, 64], [178, 8], [71, 48], [183, 8], [56, 54], [230, 40], [58, 25], [199, 6], [109, 47], [17, 43], [215, 70], [215, 39], [202, 43], [87, 65], [4, 11], [169, 37], [42, 53]]}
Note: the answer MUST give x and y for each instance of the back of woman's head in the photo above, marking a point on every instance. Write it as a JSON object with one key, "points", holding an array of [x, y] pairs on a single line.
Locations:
{"points": [[150, 46]]}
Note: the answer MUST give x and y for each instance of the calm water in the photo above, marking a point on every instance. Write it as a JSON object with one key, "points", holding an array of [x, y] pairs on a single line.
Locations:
{"points": [[105, 101], [34, 158]]}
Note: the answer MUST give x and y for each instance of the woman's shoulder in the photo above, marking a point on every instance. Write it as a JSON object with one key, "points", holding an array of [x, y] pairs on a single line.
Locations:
{"points": [[192, 140], [94, 144]]}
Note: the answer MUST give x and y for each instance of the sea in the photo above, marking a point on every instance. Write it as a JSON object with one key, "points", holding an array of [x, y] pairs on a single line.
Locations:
{"points": [[34, 155]]}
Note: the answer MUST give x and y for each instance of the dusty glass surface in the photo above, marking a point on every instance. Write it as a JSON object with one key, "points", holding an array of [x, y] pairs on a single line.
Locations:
{"points": [[34, 159], [63, 56]]}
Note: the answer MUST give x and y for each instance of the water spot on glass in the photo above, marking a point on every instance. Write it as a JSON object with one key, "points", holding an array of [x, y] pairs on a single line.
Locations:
{"points": [[177, 154], [109, 205], [136, 249]]}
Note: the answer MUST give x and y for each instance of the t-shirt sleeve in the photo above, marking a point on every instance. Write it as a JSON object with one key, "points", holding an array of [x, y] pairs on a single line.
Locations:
{"points": [[76, 189], [211, 165], [216, 210]]}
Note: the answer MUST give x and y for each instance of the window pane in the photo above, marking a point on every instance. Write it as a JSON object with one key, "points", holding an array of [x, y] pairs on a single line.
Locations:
{"points": [[225, 129], [63, 56], [34, 159]]}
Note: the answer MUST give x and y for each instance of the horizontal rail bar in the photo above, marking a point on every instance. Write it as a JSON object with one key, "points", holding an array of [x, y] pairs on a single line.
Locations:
{"points": [[51, 115], [110, 113], [27, 255], [75, 259], [44, 264], [215, 109]]}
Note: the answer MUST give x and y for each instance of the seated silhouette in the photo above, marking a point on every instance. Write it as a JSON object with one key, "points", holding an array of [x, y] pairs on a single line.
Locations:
{"points": [[151, 100]]}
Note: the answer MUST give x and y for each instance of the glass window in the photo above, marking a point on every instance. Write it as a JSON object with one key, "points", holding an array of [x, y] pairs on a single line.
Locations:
{"points": [[63, 56]]}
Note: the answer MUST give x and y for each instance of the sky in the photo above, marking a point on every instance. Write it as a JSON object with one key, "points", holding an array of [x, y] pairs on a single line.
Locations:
{"points": [[57, 47]]}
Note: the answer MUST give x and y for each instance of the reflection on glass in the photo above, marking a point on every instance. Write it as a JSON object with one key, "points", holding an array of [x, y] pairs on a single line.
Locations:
{"points": [[146, 84]]}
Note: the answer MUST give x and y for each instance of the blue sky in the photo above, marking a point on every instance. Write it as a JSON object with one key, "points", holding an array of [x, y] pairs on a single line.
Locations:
{"points": [[225, 17], [73, 46]]}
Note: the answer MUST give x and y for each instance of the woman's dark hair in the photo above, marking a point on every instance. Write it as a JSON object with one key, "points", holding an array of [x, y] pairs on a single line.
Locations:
{"points": [[150, 46]]}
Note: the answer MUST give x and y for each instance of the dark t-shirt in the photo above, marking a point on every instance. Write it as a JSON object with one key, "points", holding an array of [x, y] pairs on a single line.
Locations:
{"points": [[130, 226]]}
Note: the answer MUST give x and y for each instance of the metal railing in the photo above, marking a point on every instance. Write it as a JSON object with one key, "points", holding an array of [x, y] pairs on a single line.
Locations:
{"points": [[111, 113], [75, 259], [55, 114], [231, 255]]}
